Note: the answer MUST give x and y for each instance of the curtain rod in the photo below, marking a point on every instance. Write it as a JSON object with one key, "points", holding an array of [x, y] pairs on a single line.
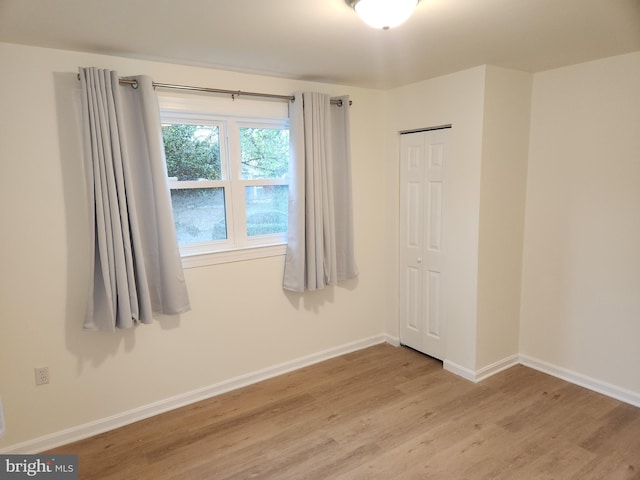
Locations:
{"points": [[233, 93]]}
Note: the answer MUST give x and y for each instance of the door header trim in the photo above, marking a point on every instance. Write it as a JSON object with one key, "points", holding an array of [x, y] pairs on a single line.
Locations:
{"points": [[426, 129]]}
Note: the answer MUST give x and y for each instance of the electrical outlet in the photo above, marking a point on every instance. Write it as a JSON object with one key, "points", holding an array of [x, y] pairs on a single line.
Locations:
{"points": [[42, 375]]}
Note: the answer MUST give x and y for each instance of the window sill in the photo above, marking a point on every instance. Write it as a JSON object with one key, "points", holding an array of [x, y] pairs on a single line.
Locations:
{"points": [[193, 260]]}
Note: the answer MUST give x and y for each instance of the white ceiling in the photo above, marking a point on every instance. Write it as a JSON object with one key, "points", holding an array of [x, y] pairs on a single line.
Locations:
{"points": [[324, 40]]}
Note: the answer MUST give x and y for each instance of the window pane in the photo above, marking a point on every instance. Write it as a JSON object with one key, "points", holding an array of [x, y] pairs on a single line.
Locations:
{"points": [[192, 151], [267, 209], [199, 214], [265, 152]]}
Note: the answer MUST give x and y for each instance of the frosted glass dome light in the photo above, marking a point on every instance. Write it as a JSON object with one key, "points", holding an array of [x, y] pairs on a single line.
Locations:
{"points": [[383, 14]]}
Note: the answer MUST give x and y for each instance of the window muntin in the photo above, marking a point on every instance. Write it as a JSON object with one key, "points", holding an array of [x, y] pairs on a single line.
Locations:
{"points": [[228, 180]]}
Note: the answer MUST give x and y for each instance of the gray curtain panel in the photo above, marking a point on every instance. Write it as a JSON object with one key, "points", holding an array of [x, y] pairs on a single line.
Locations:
{"points": [[320, 237], [341, 153], [137, 270]]}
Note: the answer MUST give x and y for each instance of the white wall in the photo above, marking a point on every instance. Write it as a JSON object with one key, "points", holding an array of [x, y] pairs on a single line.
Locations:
{"points": [[241, 322], [457, 99], [581, 269], [505, 143]]}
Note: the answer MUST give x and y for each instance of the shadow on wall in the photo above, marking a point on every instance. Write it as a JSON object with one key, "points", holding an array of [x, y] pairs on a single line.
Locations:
{"points": [[88, 346], [314, 301]]}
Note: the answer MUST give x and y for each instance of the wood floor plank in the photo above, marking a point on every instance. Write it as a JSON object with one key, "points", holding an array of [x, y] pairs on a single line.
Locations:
{"points": [[379, 413]]}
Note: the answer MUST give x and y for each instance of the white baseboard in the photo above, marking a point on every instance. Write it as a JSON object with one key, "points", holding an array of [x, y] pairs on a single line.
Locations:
{"points": [[585, 381], [497, 367], [87, 430], [463, 372], [395, 341], [484, 372], [624, 395]]}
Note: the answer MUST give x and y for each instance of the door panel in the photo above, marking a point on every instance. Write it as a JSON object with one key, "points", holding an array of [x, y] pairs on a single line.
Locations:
{"points": [[414, 292], [411, 238], [423, 159], [433, 304], [434, 218]]}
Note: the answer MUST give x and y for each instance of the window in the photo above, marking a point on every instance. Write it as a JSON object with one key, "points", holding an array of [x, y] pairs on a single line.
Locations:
{"points": [[228, 175]]}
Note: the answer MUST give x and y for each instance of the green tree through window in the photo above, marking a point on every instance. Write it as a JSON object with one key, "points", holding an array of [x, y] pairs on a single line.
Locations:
{"points": [[265, 152], [192, 151]]}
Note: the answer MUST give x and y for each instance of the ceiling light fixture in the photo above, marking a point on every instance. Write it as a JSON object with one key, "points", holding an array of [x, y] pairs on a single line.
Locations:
{"points": [[383, 14]]}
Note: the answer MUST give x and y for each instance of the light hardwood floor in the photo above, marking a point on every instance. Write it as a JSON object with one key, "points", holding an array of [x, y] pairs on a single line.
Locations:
{"points": [[379, 413]]}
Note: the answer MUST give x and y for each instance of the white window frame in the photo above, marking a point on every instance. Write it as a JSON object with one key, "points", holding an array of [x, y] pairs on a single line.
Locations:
{"points": [[229, 117]]}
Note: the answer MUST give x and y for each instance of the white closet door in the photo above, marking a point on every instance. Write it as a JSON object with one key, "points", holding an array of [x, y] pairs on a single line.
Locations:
{"points": [[423, 157]]}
